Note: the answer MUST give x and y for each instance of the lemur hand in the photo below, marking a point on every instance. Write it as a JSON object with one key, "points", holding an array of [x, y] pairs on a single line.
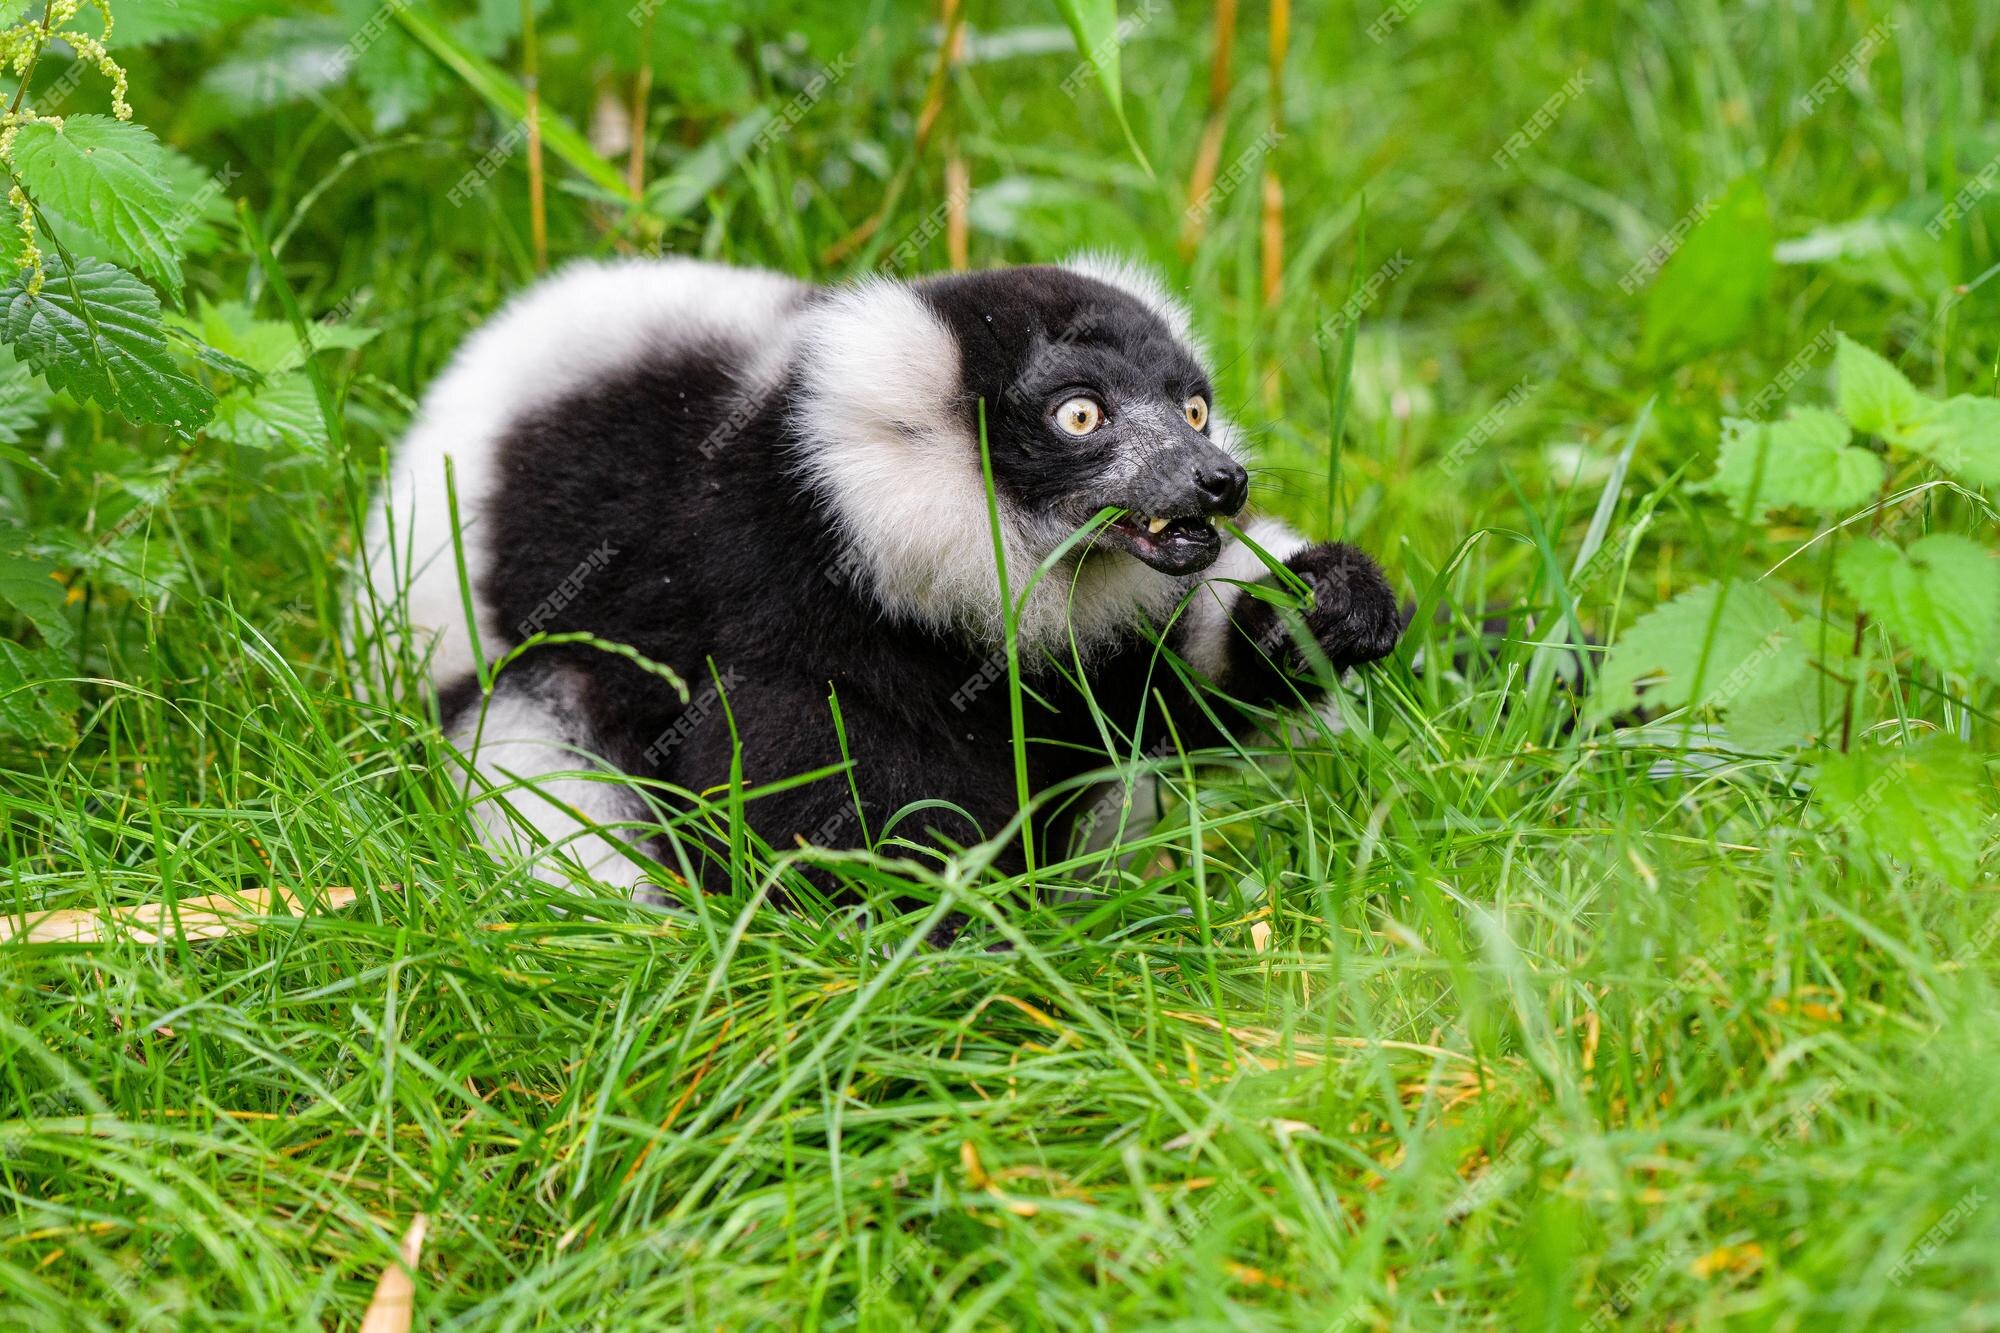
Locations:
{"points": [[1353, 616]]}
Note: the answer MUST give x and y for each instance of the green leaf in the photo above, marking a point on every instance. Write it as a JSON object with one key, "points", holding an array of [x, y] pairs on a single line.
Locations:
{"points": [[283, 412], [279, 61], [96, 333], [1874, 396], [23, 398], [1754, 648], [144, 23], [110, 176], [1094, 25], [1806, 461], [265, 345], [29, 586], [1772, 718], [207, 199], [1713, 288], [396, 75], [1941, 596], [1923, 804], [37, 700], [1893, 254], [1961, 435]]}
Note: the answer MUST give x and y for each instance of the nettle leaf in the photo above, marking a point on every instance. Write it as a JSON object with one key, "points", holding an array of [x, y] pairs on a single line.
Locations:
{"points": [[1754, 647], [283, 412], [264, 345], [29, 586], [207, 201], [143, 25], [1922, 804], [1713, 288], [1962, 436], [1941, 596], [1795, 712], [110, 176], [1874, 396], [23, 398], [1806, 461], [37, 700], [279, 61], [96, 333]]}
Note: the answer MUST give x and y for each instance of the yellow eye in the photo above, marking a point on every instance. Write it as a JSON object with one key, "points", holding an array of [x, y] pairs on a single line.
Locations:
{"points": [[1079, 416], [1196, 409]]}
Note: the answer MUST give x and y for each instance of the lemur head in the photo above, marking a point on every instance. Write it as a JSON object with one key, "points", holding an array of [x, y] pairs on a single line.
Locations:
{"points": [[1092, 401], [1094, 396]]}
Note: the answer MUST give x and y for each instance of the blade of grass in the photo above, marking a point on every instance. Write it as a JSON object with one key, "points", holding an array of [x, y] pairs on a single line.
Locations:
{"points": [[507, 98]]}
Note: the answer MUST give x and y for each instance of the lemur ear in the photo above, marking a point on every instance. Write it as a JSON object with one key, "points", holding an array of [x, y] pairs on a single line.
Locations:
{"points": [[1143, 283]]}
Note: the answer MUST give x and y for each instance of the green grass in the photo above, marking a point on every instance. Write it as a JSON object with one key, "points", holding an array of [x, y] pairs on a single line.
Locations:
{"points": [[1471, 1015]]}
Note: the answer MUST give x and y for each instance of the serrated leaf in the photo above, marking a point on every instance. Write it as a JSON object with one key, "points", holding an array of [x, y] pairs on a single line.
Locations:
{"points": [[263, 346], [1941, 596], [283, 412], [1769, 719], [277, 61], [37, 700], [1961, 435], [23, 398], [29, 586], [143, 25], [1713, 287], [1923, 804], [1873, 395], [207, 200], [109, 175], [1754, 647], [96, 333], [1804, 461]]}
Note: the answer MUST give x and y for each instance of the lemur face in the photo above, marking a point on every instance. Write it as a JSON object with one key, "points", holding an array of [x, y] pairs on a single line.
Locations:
{"points": [[1091, 401]]}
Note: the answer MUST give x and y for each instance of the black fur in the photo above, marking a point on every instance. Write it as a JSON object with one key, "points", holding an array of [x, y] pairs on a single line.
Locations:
{"points": [[722, 556]]}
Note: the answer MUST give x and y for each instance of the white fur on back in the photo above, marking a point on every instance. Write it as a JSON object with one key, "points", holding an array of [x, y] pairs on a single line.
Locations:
{"points": [[586, 323], [536, 736]]}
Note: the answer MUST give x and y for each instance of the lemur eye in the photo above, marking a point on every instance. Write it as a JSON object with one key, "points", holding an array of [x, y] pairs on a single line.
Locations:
{"points": [[1079, 416], [1196, 409]]}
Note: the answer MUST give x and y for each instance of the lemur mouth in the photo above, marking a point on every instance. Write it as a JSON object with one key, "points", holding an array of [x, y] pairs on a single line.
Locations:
{"points": [[1170, 545]]}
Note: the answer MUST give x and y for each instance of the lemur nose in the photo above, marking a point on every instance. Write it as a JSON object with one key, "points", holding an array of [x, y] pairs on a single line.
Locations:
{"points": [[1223, 484]]}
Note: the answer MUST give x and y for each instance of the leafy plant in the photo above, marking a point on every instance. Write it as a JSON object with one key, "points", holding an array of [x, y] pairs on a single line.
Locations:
{"points": [[1796, 683]]}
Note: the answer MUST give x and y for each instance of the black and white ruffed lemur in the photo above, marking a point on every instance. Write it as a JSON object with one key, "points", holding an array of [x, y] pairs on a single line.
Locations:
{"points": [[725, 466]]}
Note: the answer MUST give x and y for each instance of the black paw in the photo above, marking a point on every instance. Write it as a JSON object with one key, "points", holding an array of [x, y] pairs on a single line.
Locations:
{"points": [[1353, 616]]}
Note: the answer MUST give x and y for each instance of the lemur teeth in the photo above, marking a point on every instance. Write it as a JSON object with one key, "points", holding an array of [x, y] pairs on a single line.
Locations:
{"points": [[1155, 526]]}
